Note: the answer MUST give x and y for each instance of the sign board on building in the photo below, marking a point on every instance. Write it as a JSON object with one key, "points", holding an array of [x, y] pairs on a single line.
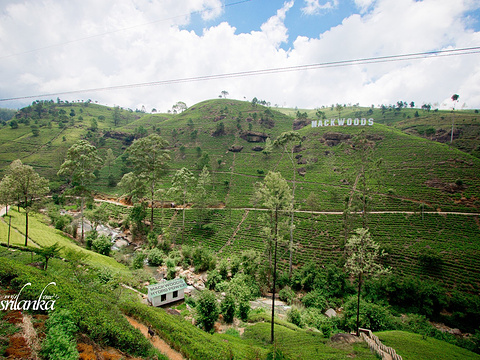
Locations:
{"points": [[166, 292]]}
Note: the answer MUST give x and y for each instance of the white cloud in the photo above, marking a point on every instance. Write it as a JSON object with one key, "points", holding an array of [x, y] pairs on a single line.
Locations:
{"points": [[314, 7], [153, 47]]}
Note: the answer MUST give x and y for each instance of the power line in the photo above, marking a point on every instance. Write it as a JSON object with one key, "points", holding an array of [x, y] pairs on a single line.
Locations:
{"points": [[122, 29], [331, 64]]}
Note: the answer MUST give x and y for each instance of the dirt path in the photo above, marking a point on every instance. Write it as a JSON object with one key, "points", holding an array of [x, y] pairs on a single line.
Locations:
{"points": [[156, 341]]}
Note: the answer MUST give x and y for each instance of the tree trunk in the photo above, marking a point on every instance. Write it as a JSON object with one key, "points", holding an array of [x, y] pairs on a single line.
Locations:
{"points": [[151, 214], [358, 302], [272, 337], [26, 221], [9, 227], [81, 210], [292, 220]]}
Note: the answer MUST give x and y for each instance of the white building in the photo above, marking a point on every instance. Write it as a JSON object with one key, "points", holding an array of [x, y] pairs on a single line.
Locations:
{"points": [[166, 292]]}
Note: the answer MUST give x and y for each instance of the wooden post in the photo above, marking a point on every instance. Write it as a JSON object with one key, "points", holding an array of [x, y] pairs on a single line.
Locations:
{"points": [[9, 226]]}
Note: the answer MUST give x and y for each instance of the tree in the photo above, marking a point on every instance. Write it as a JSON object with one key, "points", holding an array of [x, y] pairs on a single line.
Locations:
{"points": [[182, 182], [80, 163], [455, 98], [228, 308], [150, 158], [224, 94], [268, 148], [48, 252], [362, 261], [7, 197], [179, 107], [274, 194], [97, 216], [102, 245], [202, 195], [339, 108], [25, 185], [207, 310], [109, 159], [116, 116], [132, 186], [288, 141]]}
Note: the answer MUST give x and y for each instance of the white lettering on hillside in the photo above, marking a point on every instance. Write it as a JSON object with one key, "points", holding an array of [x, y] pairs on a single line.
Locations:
{"points": [[343, 122]]}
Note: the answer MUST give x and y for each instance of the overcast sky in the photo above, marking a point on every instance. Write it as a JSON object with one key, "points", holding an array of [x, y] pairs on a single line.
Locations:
{"points": [[54, 46]]}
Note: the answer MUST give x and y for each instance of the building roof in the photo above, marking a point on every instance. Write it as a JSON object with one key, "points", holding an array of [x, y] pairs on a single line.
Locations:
{"points": [[165, 287]]}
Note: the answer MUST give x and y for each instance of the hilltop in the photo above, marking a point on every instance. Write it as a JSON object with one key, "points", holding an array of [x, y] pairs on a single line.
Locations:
{"points": [[228, 135]]}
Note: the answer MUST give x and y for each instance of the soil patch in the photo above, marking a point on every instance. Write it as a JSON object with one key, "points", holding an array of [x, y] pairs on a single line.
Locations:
{"points": [[159, 343]]}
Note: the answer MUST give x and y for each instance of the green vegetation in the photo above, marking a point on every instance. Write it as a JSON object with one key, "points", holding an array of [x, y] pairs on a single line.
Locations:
{"points": [[416, 347], [221, 166]]}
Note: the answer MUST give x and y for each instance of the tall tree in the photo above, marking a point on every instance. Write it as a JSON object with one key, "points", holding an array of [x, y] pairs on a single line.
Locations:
{"points": [[179, 107], [274, 194], [288, 141], [182, 182], [150, 157], [116, 116], [26, 185], [455, 98], [362, 261], [109, 159], [224, 94], [6, 195], [80, 163]]}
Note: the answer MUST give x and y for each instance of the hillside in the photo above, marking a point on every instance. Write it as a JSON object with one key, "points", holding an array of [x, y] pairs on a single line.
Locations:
{"points": [[413, 169], [419, 196]]}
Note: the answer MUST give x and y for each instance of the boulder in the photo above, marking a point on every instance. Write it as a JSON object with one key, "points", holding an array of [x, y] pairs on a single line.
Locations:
{"points": [[330, 313], [300, 123], [235, 148], [254, 137]]}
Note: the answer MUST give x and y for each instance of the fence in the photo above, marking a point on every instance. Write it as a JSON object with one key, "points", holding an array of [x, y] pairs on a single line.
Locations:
{"points": [[374, 343]]}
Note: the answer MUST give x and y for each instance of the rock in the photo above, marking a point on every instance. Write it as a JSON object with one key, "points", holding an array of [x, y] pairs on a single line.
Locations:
{"points": [[199, 286], [301, 161], [330, 313], [345, 338], [302, 171], [235, 148], [252, 136], [300, 123], [455, 331], [257, 148], [298, 148]]}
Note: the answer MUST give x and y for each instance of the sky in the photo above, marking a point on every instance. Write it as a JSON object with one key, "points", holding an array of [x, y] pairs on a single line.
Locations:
{"points": [[154, 53]]}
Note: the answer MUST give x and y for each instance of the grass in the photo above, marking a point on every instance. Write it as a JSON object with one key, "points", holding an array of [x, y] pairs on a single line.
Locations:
{"points": [[302, 344], [415, 347], [44, 235], [15, 237]]}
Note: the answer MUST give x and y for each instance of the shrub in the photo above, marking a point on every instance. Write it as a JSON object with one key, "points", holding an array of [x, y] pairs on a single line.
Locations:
{"points": [[60, 342], [372, 316], [223, 268], [138, 260], [287, 295], [155, 257], [102, 245], [294, 315], [227, 308], [315, 299], [243, 308], [213, 278], [203, 259], [207, 310]]}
